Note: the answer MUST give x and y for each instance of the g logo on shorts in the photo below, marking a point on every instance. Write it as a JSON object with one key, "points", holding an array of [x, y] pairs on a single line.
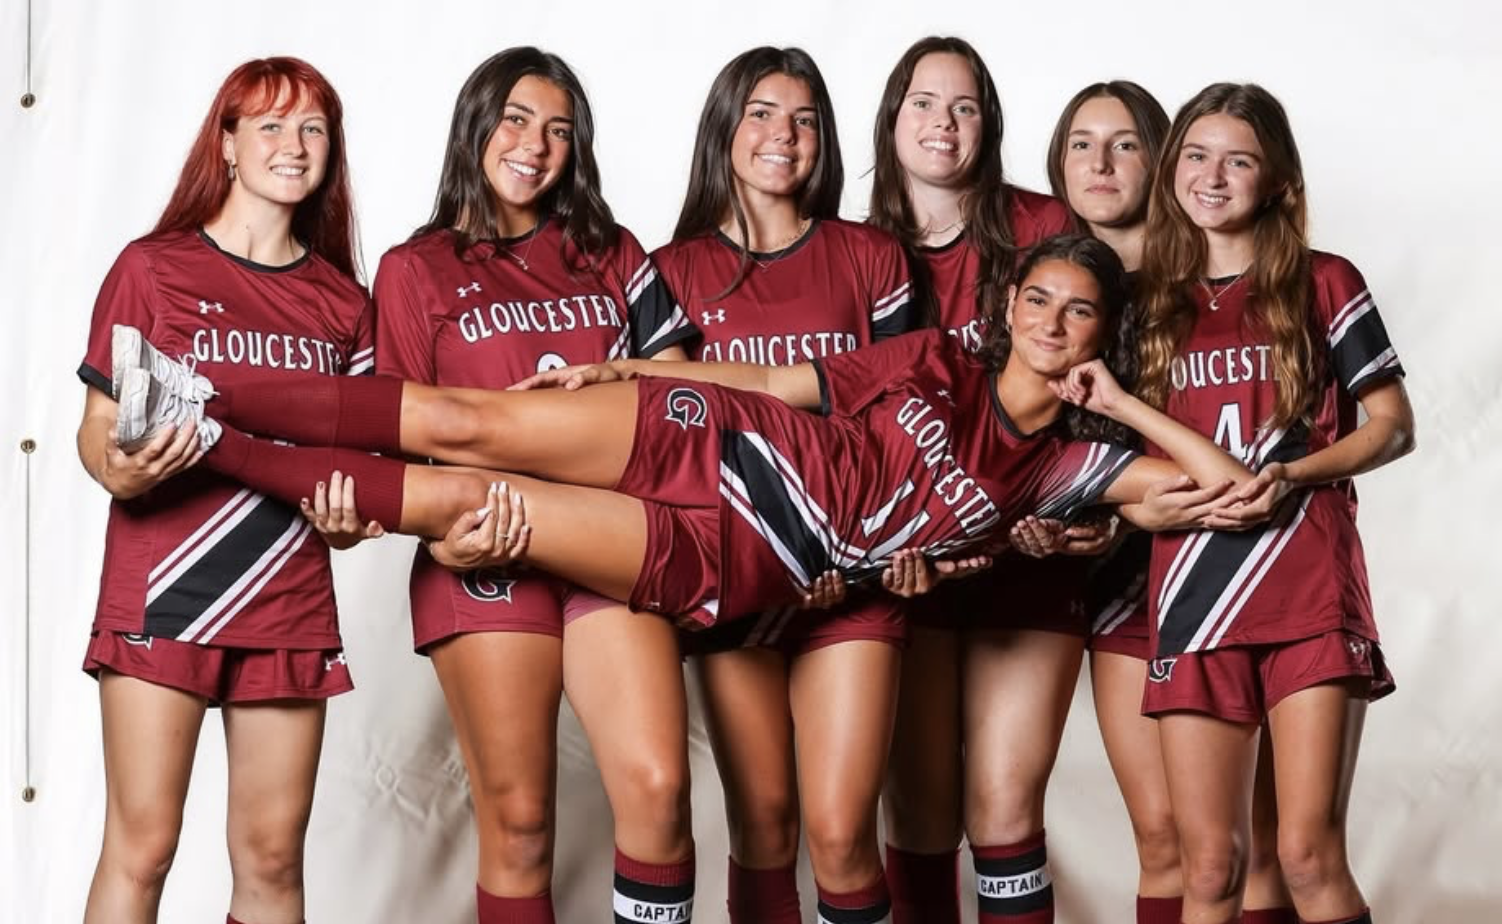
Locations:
{"points": [[1160, 670], [687, 408], [488, 584]]}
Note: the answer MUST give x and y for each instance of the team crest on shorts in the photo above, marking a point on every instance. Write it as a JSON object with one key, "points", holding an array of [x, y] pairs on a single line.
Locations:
{"points": [[133, 638], [488, 584], [687, 408], [338, 660], [1160, 670]]}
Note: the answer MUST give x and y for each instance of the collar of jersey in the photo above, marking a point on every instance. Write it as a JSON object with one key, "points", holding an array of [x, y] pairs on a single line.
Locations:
{"points": [[253, 266]]}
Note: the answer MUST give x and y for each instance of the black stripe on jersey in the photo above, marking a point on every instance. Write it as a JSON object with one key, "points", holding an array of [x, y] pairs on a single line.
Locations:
{"points": [[866, 915], [1087, 487], [824, 407], [1212, 572], [1033, 866], [900, 318], [1119, 574], [203, 584], [93, 377], [767, 491], [657, 321], [1364, 353]]}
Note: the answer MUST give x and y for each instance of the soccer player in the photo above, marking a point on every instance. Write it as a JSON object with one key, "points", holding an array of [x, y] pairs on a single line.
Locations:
{"points": [[990, 672], [1270, 348], [764, 266], [521, 268], [212, 594]]}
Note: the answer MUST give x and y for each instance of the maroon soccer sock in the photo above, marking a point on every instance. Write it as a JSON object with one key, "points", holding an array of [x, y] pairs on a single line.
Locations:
{"points": [[863, 906], [1269, 916], [763, 896], [496, 909], [653, 892], [354, 411], [290, 473], [1160, 910], [1012, 882], [925, 886], [1365, 917]]}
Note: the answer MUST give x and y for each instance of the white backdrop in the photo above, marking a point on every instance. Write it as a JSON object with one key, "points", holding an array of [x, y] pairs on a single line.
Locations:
{"points": [[1401, 145]]}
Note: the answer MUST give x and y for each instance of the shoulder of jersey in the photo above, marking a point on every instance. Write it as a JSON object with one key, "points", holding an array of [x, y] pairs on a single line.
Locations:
{"points": [[1040, 207], [840, 227], [1332, 265], [157, 242]]}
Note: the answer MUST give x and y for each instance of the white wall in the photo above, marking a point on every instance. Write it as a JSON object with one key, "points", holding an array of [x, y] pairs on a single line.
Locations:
{"points": [[1402, 148]]}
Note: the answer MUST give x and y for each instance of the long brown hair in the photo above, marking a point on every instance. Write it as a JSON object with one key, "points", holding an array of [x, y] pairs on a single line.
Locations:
{"points": [[1148, 117], [325, 220], [986, 201], [465, 203], [711, 178], [1279, 277]]}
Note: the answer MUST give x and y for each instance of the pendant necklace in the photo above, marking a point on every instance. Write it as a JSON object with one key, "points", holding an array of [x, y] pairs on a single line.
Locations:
{"points": [[1215, 296], [521, 259], [780, 249]]}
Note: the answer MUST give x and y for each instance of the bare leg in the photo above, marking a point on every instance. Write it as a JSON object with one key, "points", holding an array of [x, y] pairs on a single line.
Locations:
{"points": [[1316, 736], [1210, 764], [1136, 757], [503, 690], [923, 783], [273, 763], [1264, 877], [624, 678], [843, 697], [150, 735]]}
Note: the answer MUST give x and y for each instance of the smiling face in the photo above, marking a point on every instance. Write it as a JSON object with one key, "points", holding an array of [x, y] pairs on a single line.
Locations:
{"points": [[776, 142], [1056, 317], [528, 151], [939, 125], [1219, 174], [1106, 171], [279, 158]]}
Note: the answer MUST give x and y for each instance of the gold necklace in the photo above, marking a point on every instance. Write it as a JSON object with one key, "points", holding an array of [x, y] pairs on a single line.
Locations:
{"points": [[1215, 296], [521, 259], [780, 249]]}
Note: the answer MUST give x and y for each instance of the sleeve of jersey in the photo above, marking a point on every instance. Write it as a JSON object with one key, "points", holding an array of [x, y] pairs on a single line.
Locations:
{"points": [[893, 309], [362, 350], [657, 320], [1079, 476], [850, 381], [128, 296], [404, 332], [1360, 351]]}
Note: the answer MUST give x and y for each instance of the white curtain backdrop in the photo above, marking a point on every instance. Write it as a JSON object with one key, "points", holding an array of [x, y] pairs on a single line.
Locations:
{"points": [[1395, 108]]}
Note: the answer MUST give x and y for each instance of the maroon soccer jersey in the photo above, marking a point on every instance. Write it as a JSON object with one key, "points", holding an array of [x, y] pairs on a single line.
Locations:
{"points": [[917, 453], [200, 558], [954, 269], [841, 286], [487, 319], [1304, 573]]}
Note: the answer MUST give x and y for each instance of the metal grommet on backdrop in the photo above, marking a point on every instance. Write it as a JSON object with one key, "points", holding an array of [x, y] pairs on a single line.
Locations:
{"points": [[28, 446], [29, 794], [28, 100]]}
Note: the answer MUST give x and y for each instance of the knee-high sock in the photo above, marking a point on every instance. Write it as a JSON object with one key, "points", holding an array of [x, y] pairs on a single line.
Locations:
{"points": [[1012, 882], [925, 886], [870, 905], [653, 892], [353, 411], [763, 896], [1365, 917], [1159, 910], [290, 473], [1269, 916], [496, 909]]}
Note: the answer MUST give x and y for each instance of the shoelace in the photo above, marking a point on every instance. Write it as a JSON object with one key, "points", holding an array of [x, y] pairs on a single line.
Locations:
{"points": [[181, 378], [178, 409]]}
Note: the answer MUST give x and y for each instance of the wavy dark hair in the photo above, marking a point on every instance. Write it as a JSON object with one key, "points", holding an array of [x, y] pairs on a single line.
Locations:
{"points": [[711, 178], [465, 203], [1148, 116], [1117, 347], [1280, 276], [987, 198]]}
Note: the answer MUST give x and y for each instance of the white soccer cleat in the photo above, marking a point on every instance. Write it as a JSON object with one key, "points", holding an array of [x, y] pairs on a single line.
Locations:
{"points": [[130, 350], [148, 405]]}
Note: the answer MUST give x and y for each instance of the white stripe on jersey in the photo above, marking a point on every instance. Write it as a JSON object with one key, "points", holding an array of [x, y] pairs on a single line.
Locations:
{"points": [[1244, 582], [734, 491], [271, 562], [770, 625], [1262, 445], [361, 362], [886, 307], [841, 551], [1350, 314], [643, 277], [1386, 359], [1178, 571], [1116, 612], [212, 532], [621, 348], [675, 320]]}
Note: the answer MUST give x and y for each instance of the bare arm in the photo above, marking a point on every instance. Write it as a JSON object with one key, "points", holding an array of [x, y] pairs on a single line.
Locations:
{"points": [[127, 476], [795, 385]]}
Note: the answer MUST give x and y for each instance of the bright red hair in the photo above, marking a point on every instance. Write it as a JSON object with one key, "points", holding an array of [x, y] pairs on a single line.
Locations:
{"points": [[325, 221]]}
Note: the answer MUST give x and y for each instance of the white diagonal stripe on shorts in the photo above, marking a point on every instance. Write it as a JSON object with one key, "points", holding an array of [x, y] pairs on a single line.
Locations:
{"points": [[232, 601], [202, 540]]}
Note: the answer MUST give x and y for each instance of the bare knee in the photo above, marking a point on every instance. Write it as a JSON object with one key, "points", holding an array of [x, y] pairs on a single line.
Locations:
{"points": [[141, 852], [1157, 844], [1312, 859], [453, 423], [763, 826], [1213, 871], [269, 859], [842, 844], [515, 828], [654, 797], [1004, 816]]}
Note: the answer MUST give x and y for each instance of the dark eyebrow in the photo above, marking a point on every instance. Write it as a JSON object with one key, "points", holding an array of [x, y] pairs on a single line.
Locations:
{"points": [[1041, 290], [524, 108], [962, 98], [1199, 147]]}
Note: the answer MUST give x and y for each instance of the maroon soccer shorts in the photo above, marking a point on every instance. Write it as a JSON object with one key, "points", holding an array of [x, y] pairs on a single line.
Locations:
{"points": [[794, 631], [445, 604], [221, 675], [1243, 683]]}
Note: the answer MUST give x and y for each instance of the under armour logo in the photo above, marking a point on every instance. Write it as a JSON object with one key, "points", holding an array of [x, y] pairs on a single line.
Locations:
{"points": [[465, 290], [1358, 646], [488, 585], [686, 408], [205, 306], [1160, 670], [331, 663], [131, 638], [711, 317], [944, 393]]}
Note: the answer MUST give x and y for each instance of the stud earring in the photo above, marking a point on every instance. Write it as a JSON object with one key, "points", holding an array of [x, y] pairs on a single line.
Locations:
{"points": [[231, 171]]}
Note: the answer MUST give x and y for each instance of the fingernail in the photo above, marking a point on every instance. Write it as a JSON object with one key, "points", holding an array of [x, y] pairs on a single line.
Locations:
{"points": [[320, 486], [503, 488], [483, 512]]}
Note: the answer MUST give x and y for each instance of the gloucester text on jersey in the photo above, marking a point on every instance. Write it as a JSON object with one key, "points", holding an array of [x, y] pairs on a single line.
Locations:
{"points": [[553, 316], [971, 505], [1228, 366], [778, 349], [272, 351]]}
